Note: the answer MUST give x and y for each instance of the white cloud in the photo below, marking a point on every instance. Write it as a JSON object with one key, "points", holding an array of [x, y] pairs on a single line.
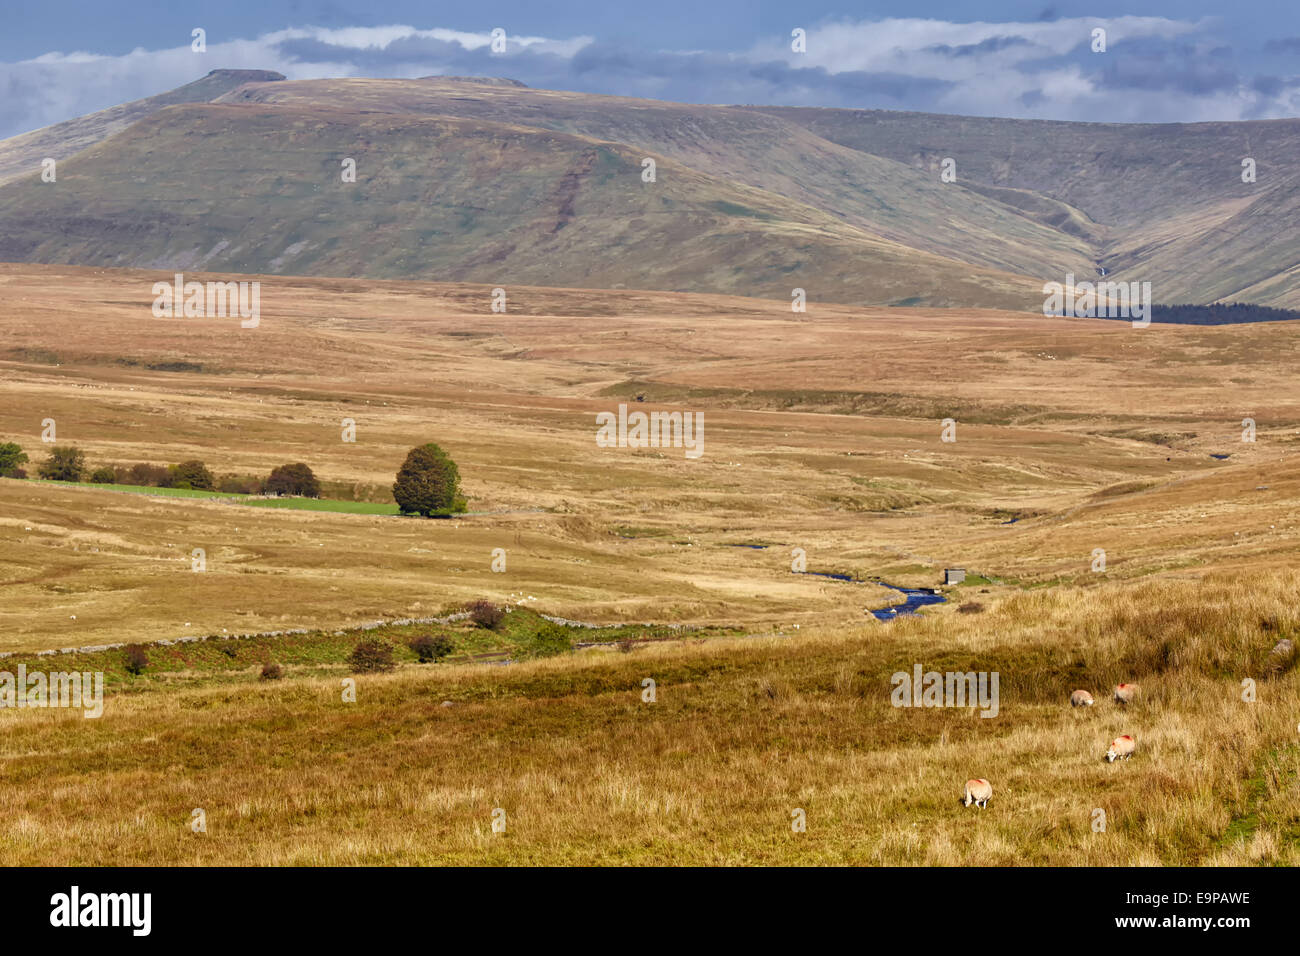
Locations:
{"points": [[1156, 69], [907, 45]]}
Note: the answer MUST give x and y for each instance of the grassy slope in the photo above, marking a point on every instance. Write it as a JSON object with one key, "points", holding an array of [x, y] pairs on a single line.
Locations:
{"points": [[1105, 169], [774, 192], [874, 193], [20, 156], [1093, 434], [211, 659], [1168, 199], [453, 199], [741, 733]]}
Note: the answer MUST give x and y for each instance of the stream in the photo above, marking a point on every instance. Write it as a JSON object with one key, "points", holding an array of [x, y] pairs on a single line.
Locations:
{"points": [[916, 597]]}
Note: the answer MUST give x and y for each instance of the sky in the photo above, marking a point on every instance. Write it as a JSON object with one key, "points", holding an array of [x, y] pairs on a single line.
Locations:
{"points": [[1164, 60]]}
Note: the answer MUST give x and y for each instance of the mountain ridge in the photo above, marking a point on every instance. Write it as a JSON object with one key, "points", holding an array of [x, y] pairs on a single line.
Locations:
{"points": [[848, 204]]}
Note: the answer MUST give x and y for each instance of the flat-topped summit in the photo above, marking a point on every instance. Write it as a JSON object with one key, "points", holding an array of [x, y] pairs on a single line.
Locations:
{"points": [[482, 80], [249, 76]]}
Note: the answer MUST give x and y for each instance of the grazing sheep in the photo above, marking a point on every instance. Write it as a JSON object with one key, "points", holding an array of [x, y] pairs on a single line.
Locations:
{"points": [[1279, 659], [978, 792], [1081, 698], [1121, 747], [1124, 693]]}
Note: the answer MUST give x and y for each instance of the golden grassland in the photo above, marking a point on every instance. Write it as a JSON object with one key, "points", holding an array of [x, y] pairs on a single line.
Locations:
{"points": [[822, 432], [742, 732], [1060, 424]]}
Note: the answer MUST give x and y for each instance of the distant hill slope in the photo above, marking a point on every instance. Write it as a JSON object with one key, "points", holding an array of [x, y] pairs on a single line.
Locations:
{"points": [[249, 188], [886, 198], [480, 179], [23, 154], [1169, 198]]}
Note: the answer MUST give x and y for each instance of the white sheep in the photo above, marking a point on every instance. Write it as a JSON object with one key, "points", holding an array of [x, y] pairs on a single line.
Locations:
{"points": [[1124, 693], [1081, 698], [978, 792]]}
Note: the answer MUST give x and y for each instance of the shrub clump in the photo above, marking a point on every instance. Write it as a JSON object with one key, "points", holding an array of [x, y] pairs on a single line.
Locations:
{"points": [[551, 639], [191, 475], [372, 655], [272, 671], [486, 614], [970, 607], [294, 479], [103, 476], [144, 474], [134, 659], [239, 485], [66, 463], [429, 647]]}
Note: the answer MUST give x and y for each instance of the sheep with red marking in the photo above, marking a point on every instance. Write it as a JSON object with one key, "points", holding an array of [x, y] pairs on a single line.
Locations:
{"points": [[1121, 748]]}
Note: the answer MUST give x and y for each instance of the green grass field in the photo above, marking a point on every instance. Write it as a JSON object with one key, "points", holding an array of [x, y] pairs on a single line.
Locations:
{"points": [[297, 504], [523, 634]]}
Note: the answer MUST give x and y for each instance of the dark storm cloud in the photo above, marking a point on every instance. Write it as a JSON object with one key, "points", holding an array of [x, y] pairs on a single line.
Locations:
{"points": [[1192, 79], [1155, 64], [991, 45], [1268, 85], [396, 53], [424, 56], [620, 70], [855, 87], [716, 78], [1283, 45]]}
